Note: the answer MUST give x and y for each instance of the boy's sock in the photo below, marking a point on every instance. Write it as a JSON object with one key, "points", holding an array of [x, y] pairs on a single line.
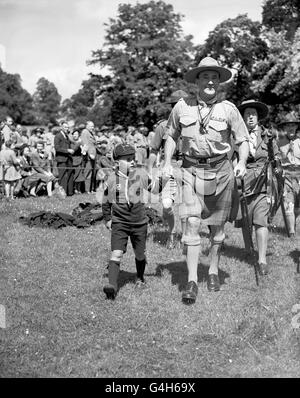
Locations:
{"points": [[140, 268], [113, 273]]}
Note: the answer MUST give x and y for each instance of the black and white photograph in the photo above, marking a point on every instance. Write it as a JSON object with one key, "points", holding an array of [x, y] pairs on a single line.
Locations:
{"points": [[150, 192]]}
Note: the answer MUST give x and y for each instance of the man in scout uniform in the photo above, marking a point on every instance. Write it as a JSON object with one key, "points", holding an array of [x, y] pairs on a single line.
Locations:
{"points": [[289, 149], [156, 152], [256, 178], [206, 126]]}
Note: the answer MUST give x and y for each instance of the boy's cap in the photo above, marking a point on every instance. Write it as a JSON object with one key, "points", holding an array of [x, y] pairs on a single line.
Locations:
{"points": [[123, 150]]}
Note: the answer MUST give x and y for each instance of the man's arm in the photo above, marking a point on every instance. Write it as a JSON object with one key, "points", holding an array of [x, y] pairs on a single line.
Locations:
{"points": [[169, 150]]}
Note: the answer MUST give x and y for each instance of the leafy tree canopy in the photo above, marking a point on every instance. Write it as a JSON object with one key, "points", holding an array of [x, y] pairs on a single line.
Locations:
{"points": [[146, 54], [282, 15], [46, 101], [236, 43], [15, 101]]}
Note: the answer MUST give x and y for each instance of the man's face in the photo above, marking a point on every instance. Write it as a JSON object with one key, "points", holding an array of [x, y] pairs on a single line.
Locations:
{"points": [[9, 121], [75, 135], [290, 129], [65, 128], [251, 118], [208, 83], [90, 126]]}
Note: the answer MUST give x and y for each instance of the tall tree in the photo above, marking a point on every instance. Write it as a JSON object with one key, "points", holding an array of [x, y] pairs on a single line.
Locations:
{"points": [[147, 55], [14, 100], [236, 43], [277, 78], [282, 15], [88, 102], [46, 101]]}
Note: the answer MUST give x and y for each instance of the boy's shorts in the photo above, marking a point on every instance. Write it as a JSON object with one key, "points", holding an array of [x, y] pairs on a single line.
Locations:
{"points": [[137, 233]]}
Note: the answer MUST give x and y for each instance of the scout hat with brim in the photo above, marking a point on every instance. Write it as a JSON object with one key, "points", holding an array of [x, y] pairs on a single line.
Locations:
{"points": [[290, 118], [261, 108], [208, 63], [176, 96]]}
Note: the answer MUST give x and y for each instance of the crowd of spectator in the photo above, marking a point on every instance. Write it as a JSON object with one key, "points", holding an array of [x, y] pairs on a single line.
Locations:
{"points": [[76, 159]]}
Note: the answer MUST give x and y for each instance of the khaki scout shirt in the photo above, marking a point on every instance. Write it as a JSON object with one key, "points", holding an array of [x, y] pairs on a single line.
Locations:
{"points": [[224, 120]]}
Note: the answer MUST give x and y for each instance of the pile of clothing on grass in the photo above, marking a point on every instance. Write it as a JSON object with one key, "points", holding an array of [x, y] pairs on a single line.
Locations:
{"points": [[83, 216]]}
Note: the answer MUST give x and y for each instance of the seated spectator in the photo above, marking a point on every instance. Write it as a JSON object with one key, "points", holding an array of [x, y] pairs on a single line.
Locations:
{"points": [[42, 168], [25, 170], [9, 169]]}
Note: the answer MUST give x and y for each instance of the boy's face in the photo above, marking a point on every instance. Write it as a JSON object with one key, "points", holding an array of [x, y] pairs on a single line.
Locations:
{"points": [[127, 164]]}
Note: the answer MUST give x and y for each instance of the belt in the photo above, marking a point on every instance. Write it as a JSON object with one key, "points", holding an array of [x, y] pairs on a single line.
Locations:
{"points": [[204, 161]]}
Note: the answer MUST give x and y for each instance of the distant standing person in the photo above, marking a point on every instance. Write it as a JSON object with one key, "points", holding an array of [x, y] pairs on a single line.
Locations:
{"points": [[9, 167], [289, 149], [63, 157], [88, 139]]}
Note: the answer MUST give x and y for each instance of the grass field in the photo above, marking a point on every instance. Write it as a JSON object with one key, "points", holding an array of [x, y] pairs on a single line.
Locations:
{"points": [[59, 324]]}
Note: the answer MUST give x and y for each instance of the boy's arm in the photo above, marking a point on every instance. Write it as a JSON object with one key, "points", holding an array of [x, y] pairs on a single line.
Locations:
{"points": [[106, 205]]}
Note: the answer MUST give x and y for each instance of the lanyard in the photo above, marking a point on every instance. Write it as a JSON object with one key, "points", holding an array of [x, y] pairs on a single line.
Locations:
{"points": [[204, 120]]}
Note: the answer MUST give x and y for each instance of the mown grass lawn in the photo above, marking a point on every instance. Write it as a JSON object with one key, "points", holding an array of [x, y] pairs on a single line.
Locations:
{"points": [[59, 324]]}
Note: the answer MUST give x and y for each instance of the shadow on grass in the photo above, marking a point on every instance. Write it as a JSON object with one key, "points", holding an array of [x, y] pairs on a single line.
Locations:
{"points": [[178, 271], [239, 253], [295, 255], [278, 230]]}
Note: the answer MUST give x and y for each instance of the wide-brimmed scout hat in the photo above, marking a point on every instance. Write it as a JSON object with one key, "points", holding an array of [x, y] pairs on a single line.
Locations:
{"points": [[290, 118], [176, 96], [208, 63], [261, 108]]}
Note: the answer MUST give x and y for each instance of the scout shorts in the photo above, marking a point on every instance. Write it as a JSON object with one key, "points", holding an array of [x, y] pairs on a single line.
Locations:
{"points": [[137, 234]]}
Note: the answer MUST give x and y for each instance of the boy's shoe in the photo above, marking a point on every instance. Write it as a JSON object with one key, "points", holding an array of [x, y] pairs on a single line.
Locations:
{"points": [[110, 291]]}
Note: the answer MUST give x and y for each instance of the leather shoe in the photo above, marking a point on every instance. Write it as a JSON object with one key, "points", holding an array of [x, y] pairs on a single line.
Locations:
{"points": [[213, 283], [110, 291], [263, 269], [190, 294]]}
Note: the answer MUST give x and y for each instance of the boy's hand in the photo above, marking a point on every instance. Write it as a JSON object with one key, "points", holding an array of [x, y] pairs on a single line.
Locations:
{"points": [[108, 225]]}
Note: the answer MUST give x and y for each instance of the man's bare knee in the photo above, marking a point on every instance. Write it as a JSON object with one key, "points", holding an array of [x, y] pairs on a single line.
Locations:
{"points": [[217, 234], [167, 205]]}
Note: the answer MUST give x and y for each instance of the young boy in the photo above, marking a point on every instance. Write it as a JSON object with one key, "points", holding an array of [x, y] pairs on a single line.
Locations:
{"points": [[125, 214]]}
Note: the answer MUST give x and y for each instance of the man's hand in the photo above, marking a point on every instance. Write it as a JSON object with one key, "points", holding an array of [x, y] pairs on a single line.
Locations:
{"points": [[71, 151], [240, 170], [108, 225]]}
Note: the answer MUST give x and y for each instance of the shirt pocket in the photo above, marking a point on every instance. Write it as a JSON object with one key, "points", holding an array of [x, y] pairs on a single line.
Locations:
{"points": [[217, 125], [217, 131], [188, 126]]}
